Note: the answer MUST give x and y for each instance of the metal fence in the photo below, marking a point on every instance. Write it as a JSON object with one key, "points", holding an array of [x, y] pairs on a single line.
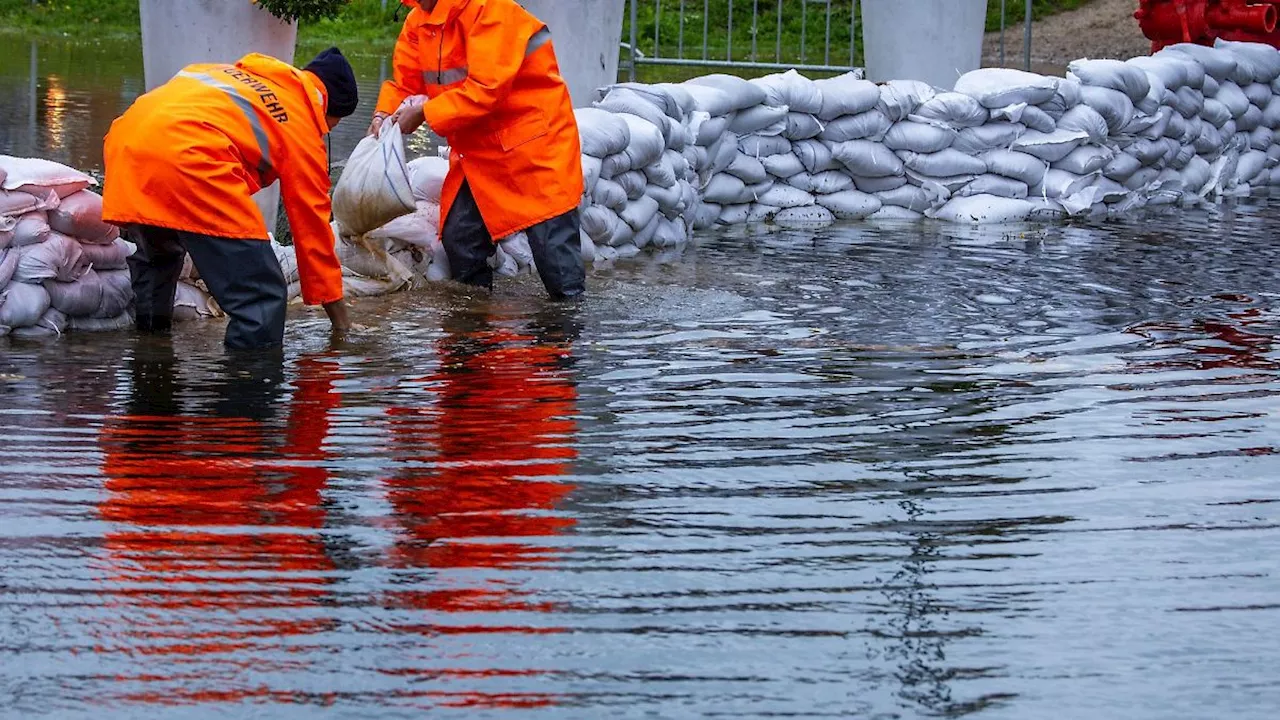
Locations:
{"points": [[811, 35]]}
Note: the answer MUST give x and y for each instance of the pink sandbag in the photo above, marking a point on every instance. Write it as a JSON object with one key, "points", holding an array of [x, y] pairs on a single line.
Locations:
{"points": [[117, 293], [107, 257], [21, 305], [15, 202], [80, 216], [31, 228], [6, 231], [57, 258], [32, 173], [77, 299], [8, 265]]}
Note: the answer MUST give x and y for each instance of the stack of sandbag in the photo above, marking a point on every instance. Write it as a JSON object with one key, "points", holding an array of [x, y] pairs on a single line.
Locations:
{"points": [[61, 266], [405, 252], [646, 192]]}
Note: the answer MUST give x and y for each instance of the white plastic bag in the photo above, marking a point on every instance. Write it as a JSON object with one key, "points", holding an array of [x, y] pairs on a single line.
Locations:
{"points": [[375, 187]]}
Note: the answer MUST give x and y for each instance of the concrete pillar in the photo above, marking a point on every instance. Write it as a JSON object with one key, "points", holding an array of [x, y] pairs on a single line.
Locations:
{"points": [[177, 33], [935, 41], [587, 35]]}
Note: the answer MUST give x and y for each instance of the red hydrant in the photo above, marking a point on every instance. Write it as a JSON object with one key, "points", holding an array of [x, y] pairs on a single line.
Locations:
{"points": [[1167, 22]]}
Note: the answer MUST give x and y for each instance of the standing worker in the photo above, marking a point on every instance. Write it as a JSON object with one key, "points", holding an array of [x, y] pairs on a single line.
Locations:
{"points": [[182, 165], [495, 93]]}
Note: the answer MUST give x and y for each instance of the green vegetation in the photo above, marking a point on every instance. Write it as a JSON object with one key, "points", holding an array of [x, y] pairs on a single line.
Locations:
{"points": [[362, 26]]}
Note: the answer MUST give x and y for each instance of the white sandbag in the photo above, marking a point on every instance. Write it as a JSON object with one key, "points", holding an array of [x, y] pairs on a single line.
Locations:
{"points": [[1210, 142], [614, 165], [999, 87], [662, 174], [871, 125], [907, 196], [1179, 128], [123, 321], [785, 196], [996, 185], [1261, 138], [742, 94], [1263, 57], [823, 183], [1083, 118], [942, 186], [791, 89], [51, 324], [646, 101], [726, 189], [1259, 94], [1085, 159], [749, 169], [1161, 120], [30, 228], [1251, 163], [1172, 72], [647, 142], [849, 204], [8, 265], [1211, 87], [1034, 118], [58, 257], [900, 98], [374, 188], [1148, 152], [1045, 209], [846, 94], [879, 184], [670, 233], [591, 168], [601, 132], [107, 257], [1182, 156], [944, 163], [783, 166], [1114, 106], [117, 293], [763, 119], [1109, 191], [816, 156], [1196, 176], [598, 222], [372, 258], [1218, 64], [670, 200], [864, 158], [918, 137], [1016, 165], [760, 146], [1141, 179], [609, 194], [426, 174], [1050, 147], [21, 305], [982, 209], [1228, 130], [952, 110], [1058, 184], [1112, 74], [712, 129], [1189, 102], [420, 229], [802, 126], [895, 214], [80, 216], [192, 303], [758, 213], [734, 214], [633, 183], [992, 136], [1250, 121], [756, 191], [1233, 98], [35, 173], [1215, 113], [809, 216], [1158, 96], [639, 213], [77, 299], [706, 215]]}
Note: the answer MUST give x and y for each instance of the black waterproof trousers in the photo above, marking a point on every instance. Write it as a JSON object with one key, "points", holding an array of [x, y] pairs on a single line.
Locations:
{"points": [[242, 275], [556, 246]]}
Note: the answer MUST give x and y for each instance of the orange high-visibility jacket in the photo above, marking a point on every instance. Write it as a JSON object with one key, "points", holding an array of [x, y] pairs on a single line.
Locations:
{"points": [[190, 154], [496, 95]]}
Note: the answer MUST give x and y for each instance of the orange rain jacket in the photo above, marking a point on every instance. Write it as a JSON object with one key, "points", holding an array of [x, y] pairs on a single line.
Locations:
{"points": [[190, 154], [495, 93]]}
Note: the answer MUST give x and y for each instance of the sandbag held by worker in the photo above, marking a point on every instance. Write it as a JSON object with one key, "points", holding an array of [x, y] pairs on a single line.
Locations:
{"points": [[494, 91], [183, 164]]}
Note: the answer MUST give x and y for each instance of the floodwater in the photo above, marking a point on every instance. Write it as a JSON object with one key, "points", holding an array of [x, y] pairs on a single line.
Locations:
{"points": [[871, 472]]}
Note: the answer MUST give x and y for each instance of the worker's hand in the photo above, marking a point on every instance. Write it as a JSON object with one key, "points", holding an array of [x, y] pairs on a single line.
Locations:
{"points": [[375, 127], [410, 118], [337, 312]]}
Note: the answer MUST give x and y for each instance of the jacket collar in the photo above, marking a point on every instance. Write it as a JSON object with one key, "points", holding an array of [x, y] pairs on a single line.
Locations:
{"points": [[444, 11]]}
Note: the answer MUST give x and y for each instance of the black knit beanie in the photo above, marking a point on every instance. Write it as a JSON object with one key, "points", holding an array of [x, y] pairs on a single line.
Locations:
{"points": [[339, 79]]}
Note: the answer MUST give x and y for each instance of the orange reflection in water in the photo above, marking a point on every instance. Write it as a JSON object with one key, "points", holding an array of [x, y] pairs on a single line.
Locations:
{"points": [[216, 560], [478, 487]]}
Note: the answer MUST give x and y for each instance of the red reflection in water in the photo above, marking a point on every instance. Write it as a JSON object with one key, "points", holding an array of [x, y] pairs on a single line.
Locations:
{"points": [[1239, 345], [216, 552]]}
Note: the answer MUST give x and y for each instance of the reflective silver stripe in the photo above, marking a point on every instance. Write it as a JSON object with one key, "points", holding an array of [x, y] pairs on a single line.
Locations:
{"points": [[264, 144], [447, 76], [540, 38]]}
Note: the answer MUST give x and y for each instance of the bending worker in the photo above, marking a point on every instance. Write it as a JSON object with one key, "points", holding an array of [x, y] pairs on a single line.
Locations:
{"points": [[495, 93], [182, 165]]}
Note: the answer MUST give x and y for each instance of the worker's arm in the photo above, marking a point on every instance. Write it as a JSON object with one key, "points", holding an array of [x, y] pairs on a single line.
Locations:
{"points": [[406, 77], [304, 187], [496, 48]]}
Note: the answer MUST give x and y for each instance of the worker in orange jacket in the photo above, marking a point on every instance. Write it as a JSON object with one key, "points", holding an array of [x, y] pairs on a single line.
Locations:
{"points": [[183, 163], [495, 93]]}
